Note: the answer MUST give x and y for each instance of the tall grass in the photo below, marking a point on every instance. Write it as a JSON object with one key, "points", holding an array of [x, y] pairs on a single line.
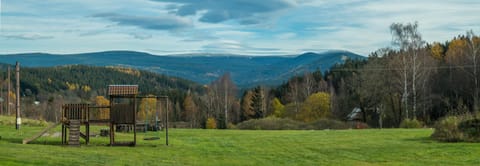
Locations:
{"points": [[10, 121]]}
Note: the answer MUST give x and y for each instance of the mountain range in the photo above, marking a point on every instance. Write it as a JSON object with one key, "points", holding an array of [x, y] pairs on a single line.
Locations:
{"points": [[246, 71]]}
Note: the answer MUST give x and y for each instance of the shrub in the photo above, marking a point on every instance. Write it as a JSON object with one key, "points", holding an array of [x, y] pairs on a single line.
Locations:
{"points": [[270, 123], [458, 128], [470, 129], [327, 124], [231, 126], [211, 123], [447, 130], [411, 123], [358, 125], [273, 123]]}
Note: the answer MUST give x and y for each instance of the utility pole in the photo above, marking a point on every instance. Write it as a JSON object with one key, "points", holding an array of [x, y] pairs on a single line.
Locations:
{"points": [[17, 105], [8, 90], [226, 103], [2, 100]]}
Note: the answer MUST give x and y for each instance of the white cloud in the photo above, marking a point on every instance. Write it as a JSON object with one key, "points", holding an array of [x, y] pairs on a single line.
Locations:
{"points": [[141, 36], [26, 36], [285, 36], [234, 33], [285, 27], [164, 22]]}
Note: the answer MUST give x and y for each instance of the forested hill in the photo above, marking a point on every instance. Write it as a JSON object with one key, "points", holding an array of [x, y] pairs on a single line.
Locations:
{"points": [[89, 81], [245, 71]]}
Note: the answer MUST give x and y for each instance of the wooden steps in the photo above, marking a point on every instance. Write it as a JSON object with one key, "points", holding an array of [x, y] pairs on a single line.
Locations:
{"points": [[74, 133]]}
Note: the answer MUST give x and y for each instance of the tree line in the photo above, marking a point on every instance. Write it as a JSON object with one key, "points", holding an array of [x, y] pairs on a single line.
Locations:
{"points": [[410, 80]]}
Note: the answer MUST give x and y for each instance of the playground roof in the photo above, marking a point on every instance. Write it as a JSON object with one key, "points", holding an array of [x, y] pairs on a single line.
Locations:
{"points": [[122, 90]]}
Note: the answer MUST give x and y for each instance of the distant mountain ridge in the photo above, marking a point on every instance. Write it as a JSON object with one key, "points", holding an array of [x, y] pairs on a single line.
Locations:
{"points": [[245, 70]]}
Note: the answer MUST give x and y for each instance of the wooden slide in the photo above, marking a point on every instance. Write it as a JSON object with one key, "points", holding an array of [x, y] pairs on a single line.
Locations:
{"points": [[26, 141]]}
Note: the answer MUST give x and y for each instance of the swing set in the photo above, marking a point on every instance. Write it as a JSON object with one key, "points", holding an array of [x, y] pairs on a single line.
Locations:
{"points": [[151, 119]]}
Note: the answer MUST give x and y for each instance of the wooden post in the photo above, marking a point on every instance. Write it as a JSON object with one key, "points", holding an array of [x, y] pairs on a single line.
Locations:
{"points": [[17, 105], [112, 134], [166, 126], [87, 128], [134, 120], [63, 133]]}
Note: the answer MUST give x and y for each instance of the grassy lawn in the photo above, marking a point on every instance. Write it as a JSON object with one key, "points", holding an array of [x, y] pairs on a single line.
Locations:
{"points": [[239, 147]]}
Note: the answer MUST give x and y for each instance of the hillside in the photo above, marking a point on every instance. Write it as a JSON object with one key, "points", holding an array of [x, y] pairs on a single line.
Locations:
{"points": [[202, 68], [76, 78]]}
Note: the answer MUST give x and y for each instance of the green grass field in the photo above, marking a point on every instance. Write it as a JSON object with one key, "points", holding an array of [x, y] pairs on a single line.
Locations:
{"points": [[240, 147]]}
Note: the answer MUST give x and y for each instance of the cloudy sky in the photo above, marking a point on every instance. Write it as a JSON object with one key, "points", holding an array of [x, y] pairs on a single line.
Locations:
{"points": [[254, 27]]}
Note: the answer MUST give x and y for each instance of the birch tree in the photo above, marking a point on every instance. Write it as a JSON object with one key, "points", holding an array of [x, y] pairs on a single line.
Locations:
{"points": [[473, 44], [223, 92], [409, 41]]}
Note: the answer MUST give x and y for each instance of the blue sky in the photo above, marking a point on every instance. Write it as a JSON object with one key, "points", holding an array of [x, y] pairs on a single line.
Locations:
{"points": [[254, 27]]}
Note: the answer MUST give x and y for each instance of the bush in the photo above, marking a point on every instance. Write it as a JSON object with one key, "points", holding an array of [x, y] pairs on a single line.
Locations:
{"points": [[270, 123], [358, 125], [447, 130], [211, 123], [273, 123], [411, 123], [231, 126], [470, 129], [327, 124], [458, 128]]}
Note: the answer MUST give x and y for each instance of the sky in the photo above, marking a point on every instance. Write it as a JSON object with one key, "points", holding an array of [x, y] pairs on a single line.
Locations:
{"points": [[249, 27]]}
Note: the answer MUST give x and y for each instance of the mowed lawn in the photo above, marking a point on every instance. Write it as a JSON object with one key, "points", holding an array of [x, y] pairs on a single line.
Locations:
{"points": [[241, 147]]}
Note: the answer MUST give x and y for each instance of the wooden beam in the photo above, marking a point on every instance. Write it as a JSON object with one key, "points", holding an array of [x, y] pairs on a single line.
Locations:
{"points": [[26, 141]]}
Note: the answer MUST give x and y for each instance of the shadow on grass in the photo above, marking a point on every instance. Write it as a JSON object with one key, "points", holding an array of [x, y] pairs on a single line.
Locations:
{"points": [[421, 139], [12, 140], [38, 141]]}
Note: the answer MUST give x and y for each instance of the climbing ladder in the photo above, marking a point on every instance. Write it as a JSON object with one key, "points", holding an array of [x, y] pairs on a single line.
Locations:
{"points": [[74, 133]]}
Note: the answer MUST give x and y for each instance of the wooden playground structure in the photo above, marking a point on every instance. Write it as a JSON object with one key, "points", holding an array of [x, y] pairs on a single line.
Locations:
{"points": [[122, 112]]}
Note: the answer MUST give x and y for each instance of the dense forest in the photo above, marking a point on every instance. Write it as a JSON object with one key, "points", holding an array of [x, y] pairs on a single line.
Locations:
{"points": [[45, 89], [411, 79]]}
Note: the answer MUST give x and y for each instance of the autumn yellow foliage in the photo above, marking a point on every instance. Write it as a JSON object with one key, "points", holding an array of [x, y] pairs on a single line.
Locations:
{"points": [[147, 108], [103, 113], [437, 50], [211, 123], [126, 70], [317, 106]]}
